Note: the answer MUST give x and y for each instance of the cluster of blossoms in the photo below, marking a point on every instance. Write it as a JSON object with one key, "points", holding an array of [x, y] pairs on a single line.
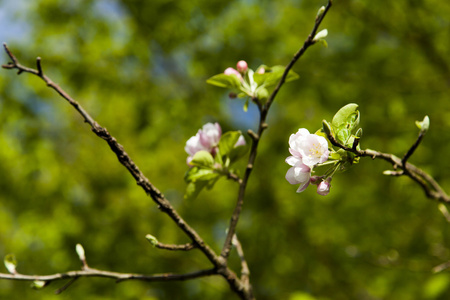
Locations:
{"points": [[307, 151], [207, 139]]}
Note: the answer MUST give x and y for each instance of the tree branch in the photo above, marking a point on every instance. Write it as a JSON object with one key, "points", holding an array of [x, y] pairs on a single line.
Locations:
{"points": [[431, 188], [163, 204], [257, 136]]}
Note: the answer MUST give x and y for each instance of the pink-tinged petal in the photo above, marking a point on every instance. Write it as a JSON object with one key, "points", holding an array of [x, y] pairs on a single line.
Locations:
{"points": [[303, 187], [240, 142], [193, 145], [219, 130], [210, 135], [295, 153], [290, 176]]}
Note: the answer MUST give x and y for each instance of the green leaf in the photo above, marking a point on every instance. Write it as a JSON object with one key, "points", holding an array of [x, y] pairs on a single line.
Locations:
{"points": [[225, 81], [10, 263], [272, 76], [343, 115], [193, 189], [335, 155], [238, 152], [199, 174], [343, 134], [227, 142], [345, 122], [423, 125], [327, 129], [203, 159], [262, 93]]}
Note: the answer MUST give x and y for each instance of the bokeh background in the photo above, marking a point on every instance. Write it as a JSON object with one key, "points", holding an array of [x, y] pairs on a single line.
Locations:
{"points": [[140, 68]]}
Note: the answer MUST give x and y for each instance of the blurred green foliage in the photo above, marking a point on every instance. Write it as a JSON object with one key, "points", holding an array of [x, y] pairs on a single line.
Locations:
{"points": [[140, 68]]}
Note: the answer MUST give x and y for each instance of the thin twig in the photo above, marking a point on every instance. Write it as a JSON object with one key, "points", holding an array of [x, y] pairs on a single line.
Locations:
{"points": [[119, 277], [66, 286], [245, 271], [441, 267], [308, 42], [413, 148], [257, 136], [185, 247]]}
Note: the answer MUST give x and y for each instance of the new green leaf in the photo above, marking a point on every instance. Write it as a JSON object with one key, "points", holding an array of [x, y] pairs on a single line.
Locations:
{"points": [[225, 81]]}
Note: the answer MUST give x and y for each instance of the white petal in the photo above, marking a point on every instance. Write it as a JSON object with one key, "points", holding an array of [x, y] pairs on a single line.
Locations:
{"points": [[292, 160]]}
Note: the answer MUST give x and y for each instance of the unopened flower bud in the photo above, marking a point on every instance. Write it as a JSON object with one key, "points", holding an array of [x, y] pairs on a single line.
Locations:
{"points": [[320, 12], [232, 95], [321, 35], [231, 71], [324, 188], [242, 66], [261, 70]]}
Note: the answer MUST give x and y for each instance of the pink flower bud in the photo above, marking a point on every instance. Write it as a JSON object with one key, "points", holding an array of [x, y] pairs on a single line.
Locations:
{"points": [[323, 188], [260, 70], [206, 139], [231, 71], [242, 66]]}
